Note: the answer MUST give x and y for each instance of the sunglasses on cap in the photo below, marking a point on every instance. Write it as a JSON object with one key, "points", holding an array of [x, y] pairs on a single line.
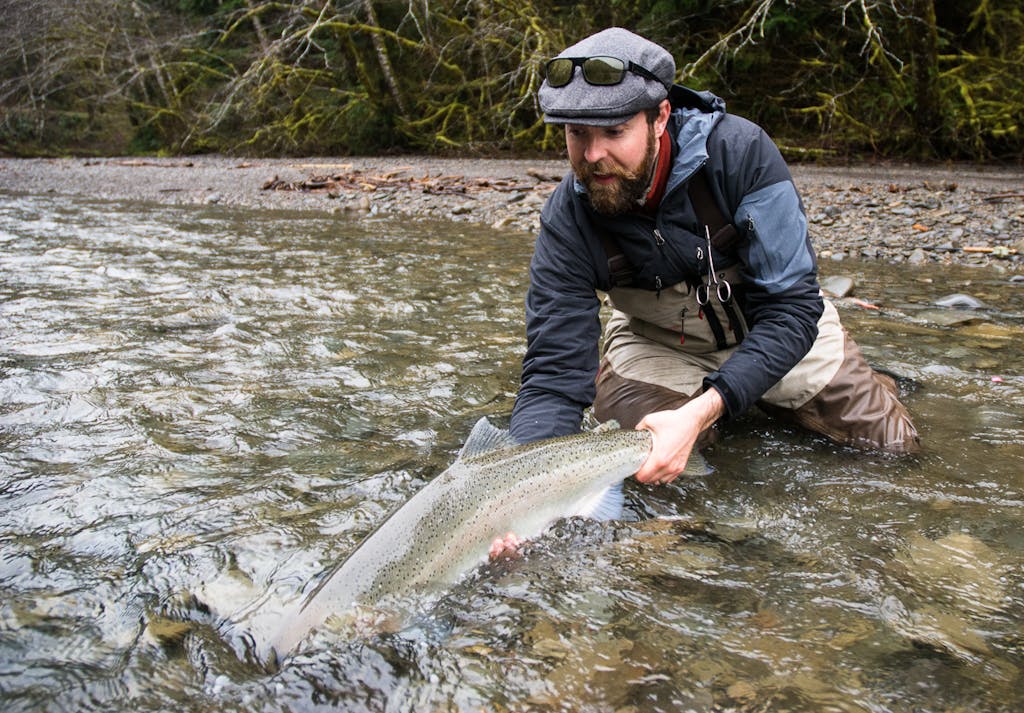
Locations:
{"points": [[599, 71]]}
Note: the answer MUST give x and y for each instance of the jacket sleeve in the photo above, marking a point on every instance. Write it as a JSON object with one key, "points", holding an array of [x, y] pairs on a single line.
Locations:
{"points": [[783, 299], [562, 330]]}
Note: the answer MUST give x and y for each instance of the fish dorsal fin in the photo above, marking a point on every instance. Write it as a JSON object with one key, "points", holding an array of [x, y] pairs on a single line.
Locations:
{"points": [[606, 426], [485, 438]]}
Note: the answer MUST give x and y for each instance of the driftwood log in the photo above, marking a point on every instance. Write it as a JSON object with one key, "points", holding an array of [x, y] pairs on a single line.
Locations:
{"points": [[400, 180]]}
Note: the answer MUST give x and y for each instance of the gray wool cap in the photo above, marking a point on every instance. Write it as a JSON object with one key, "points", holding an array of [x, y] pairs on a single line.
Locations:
{"points": [[581, 103]]}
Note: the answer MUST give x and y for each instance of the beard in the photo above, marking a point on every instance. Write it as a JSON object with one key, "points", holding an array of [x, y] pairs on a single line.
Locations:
{"points": [[629, 187]]}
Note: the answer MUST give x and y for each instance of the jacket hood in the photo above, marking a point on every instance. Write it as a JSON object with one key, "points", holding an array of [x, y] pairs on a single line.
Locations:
{"points": [[694, 115]]}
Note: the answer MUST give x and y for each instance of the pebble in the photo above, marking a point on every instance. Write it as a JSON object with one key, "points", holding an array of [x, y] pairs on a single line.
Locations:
{"points": [[918, 257]]}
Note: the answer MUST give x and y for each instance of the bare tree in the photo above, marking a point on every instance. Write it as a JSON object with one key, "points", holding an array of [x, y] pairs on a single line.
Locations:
{"points": [[69, 62]]}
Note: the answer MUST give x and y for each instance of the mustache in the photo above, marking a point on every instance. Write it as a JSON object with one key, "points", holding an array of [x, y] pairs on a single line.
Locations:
{"points": [[587, 170]]}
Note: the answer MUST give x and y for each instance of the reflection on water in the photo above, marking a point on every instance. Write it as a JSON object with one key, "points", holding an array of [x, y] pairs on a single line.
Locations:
{"points": [[200, 409]]}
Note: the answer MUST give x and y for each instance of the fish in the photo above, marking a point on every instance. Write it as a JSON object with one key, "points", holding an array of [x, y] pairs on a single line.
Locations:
{"points": [[445, 529]]}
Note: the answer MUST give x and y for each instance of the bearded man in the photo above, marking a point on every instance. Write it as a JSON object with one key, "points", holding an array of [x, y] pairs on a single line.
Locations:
{"points": [[687, 218]]}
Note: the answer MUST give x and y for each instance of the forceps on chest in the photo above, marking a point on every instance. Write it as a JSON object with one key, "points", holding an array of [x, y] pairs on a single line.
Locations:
{"points": [[723, 290]]}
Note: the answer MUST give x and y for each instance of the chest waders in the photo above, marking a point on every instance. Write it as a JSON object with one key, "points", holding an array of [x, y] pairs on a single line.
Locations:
{"points": [[700, 316], [660, 344]]}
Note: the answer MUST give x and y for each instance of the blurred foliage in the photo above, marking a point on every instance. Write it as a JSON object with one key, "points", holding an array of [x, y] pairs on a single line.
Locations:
{"points": [[884, 78]]}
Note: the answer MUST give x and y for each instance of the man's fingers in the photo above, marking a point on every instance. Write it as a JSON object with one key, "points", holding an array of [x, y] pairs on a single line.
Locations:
{"points": [[497, 545], [506, 547]]}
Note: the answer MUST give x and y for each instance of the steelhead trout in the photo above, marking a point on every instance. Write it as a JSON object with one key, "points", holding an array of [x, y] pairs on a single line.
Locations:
{"points": [[445, 529]]}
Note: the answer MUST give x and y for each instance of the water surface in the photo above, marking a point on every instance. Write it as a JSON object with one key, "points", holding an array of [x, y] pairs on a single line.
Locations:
{"points": [[202, 408]]}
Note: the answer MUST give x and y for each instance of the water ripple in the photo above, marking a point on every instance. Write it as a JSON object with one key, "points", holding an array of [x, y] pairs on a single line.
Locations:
{"points": [[201, 409]]}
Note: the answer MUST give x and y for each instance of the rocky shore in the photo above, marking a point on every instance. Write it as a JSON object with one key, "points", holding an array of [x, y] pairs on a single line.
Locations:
{"points": [[897, 213]]}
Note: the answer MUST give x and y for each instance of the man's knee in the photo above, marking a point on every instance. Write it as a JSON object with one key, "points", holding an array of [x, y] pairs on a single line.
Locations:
{"points": [[860, 407], [629, 400]]}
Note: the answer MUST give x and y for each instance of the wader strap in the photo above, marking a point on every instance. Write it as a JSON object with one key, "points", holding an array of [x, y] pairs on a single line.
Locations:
{"points": [[620, 270], [723, 233], [734, 322], [716, 327], [724, 237]]}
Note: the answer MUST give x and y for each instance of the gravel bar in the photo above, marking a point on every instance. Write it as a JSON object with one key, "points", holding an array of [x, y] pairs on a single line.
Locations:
{"points": [[899, 213]]}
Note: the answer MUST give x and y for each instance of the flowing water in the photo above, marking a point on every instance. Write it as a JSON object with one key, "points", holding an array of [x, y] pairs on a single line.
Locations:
{"points": [[203, 408]]}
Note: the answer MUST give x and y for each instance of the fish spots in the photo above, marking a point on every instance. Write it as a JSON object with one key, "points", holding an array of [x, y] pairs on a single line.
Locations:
{"points": [[446, 527]]}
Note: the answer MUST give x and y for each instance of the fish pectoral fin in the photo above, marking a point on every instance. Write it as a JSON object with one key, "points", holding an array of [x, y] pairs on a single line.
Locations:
{"points": [[697, 466], [604, 505]]}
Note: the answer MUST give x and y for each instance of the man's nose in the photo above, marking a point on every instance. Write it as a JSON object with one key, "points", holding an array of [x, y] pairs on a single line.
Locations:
{"points": [[595, 149]]}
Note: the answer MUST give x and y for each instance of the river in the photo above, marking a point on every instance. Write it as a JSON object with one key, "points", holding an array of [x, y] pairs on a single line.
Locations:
{"points": [[202, 408]]}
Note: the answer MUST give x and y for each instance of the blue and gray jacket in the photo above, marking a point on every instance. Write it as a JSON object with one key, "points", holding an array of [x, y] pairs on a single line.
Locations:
{"points": [[780, 298]]}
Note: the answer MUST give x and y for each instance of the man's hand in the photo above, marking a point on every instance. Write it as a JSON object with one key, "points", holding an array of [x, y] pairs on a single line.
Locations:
{"points": [[506, 547], [674, 434]]}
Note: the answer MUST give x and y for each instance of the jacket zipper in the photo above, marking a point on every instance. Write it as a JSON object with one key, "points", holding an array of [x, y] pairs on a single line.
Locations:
{"points": [[659, 240]]}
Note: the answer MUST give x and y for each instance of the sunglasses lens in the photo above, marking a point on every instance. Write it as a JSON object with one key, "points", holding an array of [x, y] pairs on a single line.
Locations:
{"points": [[604, 70], [559, 72]]}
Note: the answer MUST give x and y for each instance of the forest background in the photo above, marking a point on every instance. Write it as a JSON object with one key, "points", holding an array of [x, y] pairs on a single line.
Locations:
{"points": [[828, 79]]}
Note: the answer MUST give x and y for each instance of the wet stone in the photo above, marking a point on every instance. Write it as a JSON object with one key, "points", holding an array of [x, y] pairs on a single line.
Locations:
{"points": [[946, 317], [837, 286], [960, 301], [741, 692]]}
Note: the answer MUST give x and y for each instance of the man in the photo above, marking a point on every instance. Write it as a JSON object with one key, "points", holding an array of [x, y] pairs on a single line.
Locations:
{"points": [[715, 293]]}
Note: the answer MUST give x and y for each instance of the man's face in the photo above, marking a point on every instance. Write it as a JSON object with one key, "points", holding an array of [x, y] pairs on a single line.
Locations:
{"points": [[615, 162]]}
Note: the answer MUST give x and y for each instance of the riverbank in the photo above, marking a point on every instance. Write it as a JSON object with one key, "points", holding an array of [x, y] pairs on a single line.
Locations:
{"points": [[895, 213]]}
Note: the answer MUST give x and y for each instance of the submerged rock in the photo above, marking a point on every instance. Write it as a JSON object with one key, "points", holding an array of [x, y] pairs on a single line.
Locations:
{"points": [[958, 569], [928, 626], [950, 317], [958, 581], [196, 317]]}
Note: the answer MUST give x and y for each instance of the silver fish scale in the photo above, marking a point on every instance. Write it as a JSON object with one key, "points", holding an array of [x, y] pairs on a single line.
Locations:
{"points": [[445, 529]]}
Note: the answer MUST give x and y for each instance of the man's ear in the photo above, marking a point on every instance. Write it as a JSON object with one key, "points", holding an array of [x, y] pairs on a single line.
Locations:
{"points": [[664, 109]]}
